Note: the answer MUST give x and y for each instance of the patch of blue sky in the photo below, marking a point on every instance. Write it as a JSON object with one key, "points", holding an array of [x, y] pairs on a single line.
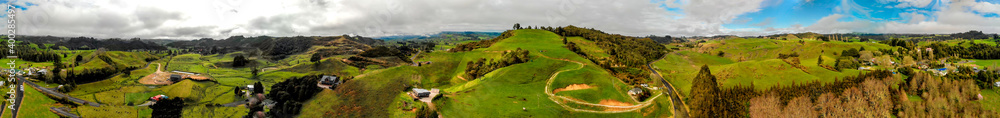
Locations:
{"points": [[784, 13]]}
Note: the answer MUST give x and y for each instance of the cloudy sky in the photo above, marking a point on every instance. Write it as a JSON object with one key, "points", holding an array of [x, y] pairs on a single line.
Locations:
{"points": [[190, 19]]}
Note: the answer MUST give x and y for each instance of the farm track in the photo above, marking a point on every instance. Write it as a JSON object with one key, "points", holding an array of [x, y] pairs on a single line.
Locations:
{"points": [[617, 109]]}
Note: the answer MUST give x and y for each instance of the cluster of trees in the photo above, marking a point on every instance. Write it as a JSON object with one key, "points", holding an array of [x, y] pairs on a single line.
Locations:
{"points": [[629, 51], [240, 61], [425, 46], [168, 108], [872, 98], [709, 100], [666, 39], [25, 52], [292, 93], [942, 98], [848, 59], [972, 35], [899, 43], [484, 43], [866, 95], [628, 54], [785, 56], [476, 69], [975, 51]]}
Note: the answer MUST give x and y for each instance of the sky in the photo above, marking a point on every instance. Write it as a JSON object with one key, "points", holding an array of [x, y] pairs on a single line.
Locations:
{"points": [[193, 19]]}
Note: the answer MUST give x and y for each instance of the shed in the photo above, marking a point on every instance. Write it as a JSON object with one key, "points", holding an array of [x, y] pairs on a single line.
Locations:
{"points": [[421, 92]]}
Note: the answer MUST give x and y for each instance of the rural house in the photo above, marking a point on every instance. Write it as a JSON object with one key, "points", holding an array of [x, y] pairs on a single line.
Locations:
{"points": [[329, 80], [420, 93], [635, 91]]}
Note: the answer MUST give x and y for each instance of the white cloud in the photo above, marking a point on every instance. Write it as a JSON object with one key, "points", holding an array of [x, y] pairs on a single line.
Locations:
{"points": [[913, 3], [222, 18], [987, 7], [913, 17], [830, 24], [955, 17]]}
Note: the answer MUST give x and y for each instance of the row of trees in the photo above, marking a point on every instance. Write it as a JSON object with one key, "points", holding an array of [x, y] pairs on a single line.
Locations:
{"points": [[476, 69]]}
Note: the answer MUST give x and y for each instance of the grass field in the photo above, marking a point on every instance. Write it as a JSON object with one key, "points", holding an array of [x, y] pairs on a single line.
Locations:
{"points": [[35, 105], [991, 100], [753, 61]]}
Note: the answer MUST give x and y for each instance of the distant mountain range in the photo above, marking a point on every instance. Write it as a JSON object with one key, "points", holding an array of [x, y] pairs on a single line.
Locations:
{"points": [[441, 34]]}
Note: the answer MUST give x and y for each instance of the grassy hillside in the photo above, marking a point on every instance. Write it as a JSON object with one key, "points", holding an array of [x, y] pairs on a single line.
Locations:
{"points": [[754, 61], [500, 93]]}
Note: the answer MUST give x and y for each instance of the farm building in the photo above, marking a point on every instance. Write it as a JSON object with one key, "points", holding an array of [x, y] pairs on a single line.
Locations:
{"points": [[175, 77], [329, 80], [420, 93], [635, 91]]}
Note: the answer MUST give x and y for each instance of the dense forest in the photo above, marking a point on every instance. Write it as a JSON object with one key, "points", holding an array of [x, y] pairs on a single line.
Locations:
{"points": [[476, 69]]}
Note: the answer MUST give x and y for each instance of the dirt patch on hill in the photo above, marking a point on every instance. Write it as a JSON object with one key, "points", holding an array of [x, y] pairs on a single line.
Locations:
{"points": [[572, 87], [157, 78], [614, 103]]}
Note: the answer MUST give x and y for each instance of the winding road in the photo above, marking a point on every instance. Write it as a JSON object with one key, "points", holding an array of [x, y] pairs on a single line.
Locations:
{"points": [[679, 110]]}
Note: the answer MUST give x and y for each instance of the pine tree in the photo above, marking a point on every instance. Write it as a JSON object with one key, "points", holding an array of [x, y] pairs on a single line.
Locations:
{"points": [[819, 61], [703, 94]]}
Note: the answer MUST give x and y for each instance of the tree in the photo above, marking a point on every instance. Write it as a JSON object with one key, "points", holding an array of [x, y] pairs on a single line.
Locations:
{"points": [[703, 94], [254, 72], [765, 106], [168, 108], [240, 61], [258, 88], [77, 60], [315, 57], [800, 107], [517, 25], [866, 55], [819, 61]]}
